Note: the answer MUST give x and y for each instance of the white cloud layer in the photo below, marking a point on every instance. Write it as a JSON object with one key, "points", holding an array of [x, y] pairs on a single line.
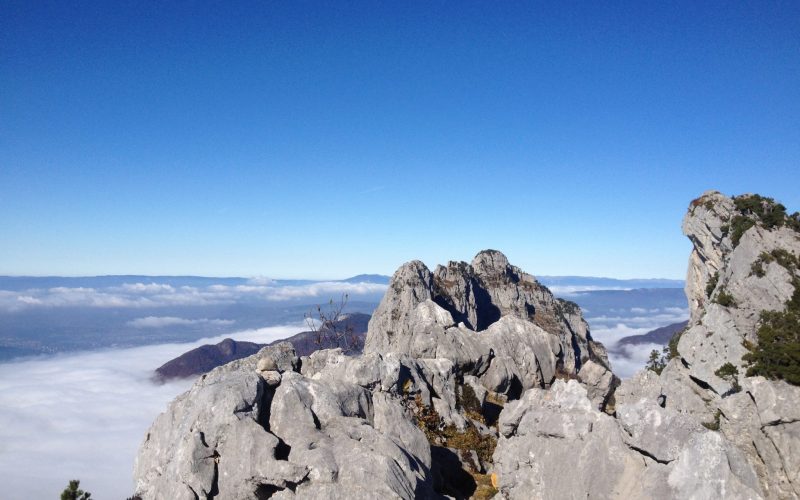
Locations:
{"points": [[160, 294], [164, 321], [83, 416], [572, 290], [631, 359], [627, 360]]}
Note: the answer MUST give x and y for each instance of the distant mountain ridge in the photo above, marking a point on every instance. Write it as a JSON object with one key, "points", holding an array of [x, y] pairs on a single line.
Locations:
{"points": [[660, 336], [207, 357]]}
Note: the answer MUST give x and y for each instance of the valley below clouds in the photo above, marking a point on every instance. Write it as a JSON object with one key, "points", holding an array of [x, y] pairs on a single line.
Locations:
{"points": [[83, 415]]}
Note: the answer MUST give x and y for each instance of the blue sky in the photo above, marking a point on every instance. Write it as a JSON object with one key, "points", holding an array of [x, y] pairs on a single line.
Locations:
{"points": [[325, 139]]}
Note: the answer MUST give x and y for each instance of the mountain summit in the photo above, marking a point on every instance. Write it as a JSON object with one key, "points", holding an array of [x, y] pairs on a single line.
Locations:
{"points": [[476, 382]]}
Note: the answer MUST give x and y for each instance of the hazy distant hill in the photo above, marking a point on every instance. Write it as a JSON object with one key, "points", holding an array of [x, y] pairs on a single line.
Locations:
{"points": [[369, 278], [660, 336], [207, 357]]}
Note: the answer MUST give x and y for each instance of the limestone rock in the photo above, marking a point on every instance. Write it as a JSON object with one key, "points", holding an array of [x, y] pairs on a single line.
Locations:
{"points": [[600, 383], [729, 283], [234, 436], [271, 377], [469, 344], [710, 467], [266, 364], [762, 421], [662, 433], [282, 355], [490, 319], [679, 391], [472, 298], [390, 327], [703, 225], [547, 433], [717, 268], [650, 452], [318, 360]]}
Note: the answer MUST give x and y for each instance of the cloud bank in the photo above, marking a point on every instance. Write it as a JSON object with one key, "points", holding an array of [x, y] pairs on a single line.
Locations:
{"points": [[83, 416], [573, 290], [164, 321], [610, 328], [163, 295]]}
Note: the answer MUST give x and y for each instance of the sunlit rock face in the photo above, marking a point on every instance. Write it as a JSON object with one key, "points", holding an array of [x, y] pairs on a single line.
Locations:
{"points": [[733, 276], [728, 284]]}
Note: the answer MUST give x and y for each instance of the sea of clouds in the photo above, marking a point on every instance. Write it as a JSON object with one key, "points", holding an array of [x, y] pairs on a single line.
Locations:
{"points": [[83, 416], [147, 295]]}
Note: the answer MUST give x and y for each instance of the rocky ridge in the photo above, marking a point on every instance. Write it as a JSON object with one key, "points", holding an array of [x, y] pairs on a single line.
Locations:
{"points": [[476, 381], [731, 279]]}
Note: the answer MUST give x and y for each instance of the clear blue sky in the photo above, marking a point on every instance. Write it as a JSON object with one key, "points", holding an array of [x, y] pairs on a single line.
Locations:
{"points": [[324, 139]]}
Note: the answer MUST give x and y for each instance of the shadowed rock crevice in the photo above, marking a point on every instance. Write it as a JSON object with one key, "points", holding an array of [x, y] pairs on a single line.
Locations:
{"points": [[649, 455], [450, 477], [282, 450], [486, 311]]}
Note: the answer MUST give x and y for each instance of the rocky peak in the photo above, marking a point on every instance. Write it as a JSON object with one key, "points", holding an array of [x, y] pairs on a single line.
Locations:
{"points": [[490, 263], [470, 312], [703, 225], [743, 265]]}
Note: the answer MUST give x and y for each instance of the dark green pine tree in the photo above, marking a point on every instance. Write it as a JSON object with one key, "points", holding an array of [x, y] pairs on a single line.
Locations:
{"points": [[73, 492]]}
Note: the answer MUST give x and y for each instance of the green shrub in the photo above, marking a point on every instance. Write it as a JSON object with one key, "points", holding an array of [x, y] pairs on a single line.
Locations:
{"points": [[739, 225], [730, 374], [783, 257], [73, 491], [770, 213], [725, 299], [672, 346], [793, 221], [757, 268], [712, 284], [777, 353], [759, 209]]}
